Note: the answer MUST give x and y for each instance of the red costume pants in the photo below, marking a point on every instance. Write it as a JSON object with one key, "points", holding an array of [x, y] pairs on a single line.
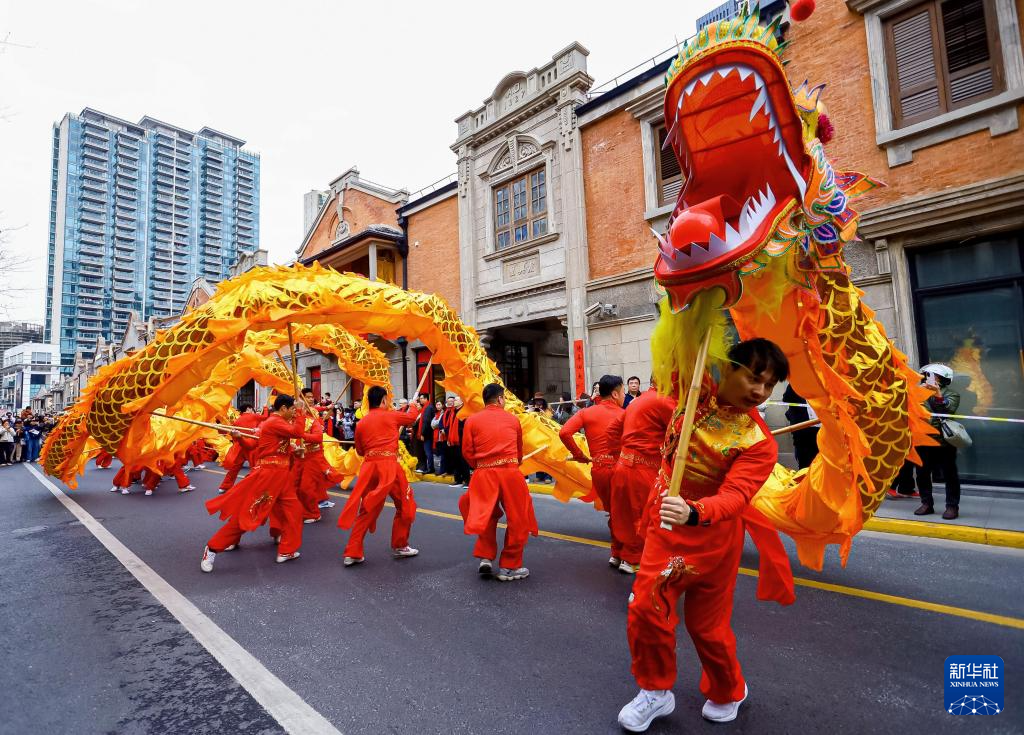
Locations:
{"points": [[631, 486], [380, 480], [601, 484], [285, 521], [151, 479], [233, 464], [494, 492], [707, 560], [315, 475]]}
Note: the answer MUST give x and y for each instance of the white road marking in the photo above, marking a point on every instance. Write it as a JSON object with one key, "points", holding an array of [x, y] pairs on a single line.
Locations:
{"points": [[283, 704]]}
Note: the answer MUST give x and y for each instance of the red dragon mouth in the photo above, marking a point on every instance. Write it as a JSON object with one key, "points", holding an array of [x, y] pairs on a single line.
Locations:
{"points": [[736, 131]]}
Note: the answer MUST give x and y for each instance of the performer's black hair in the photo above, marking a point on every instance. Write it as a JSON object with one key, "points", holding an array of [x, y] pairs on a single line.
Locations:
{"points": [[759, 355], [376, 395], [491, 392], [283, 402], [243, 407], [608, 384], [306, 390]]}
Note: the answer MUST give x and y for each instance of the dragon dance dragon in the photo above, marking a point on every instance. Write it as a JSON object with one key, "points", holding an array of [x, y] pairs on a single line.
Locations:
{"points": [[759, 228]]}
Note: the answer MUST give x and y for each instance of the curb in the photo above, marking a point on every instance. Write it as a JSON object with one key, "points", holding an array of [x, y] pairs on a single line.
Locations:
{"points": [[944, 531]]}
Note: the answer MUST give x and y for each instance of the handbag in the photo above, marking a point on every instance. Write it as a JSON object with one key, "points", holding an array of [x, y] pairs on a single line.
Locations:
{"points": [[954, 434]]}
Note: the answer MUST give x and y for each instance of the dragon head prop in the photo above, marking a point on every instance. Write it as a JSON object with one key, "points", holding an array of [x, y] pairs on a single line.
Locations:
{"points": [[750, 149]]}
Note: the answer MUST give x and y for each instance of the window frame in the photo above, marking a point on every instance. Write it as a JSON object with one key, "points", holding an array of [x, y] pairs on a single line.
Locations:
{"points": [[659, 170], [941, 59], [532, 218]]}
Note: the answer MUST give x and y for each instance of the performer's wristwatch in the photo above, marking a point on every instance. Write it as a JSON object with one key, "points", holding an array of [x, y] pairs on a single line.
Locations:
{"points": [[693, 518]]}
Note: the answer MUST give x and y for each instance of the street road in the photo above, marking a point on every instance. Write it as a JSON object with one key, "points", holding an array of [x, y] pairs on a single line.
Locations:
{"points": [[424, 645]]}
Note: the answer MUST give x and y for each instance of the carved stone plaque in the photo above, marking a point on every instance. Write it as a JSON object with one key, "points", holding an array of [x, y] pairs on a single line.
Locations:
{"points": [[520, 269]]}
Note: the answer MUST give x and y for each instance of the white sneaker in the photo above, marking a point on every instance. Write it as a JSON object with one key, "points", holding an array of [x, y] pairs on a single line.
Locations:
{"points": [[485, 567], [627, 568], [208, 558], [512, 575], [649, 704], [311, 520], [351, 560], [455, 484], [723, 712], [124, 491], [228, 548], [186, 489], [114, 489], [282, 558], [325, 504], [614, 561], [404, 552], [199, 467], [149, 492]]}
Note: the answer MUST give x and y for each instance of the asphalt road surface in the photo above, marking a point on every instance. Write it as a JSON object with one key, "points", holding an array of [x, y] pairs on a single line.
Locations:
{"points": [[424, 645]]}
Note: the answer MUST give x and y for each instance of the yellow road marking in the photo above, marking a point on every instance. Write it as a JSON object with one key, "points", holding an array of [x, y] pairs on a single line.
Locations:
{"points": [[960, 612]]}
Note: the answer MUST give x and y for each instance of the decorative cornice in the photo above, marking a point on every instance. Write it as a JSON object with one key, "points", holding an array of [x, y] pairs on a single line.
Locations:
{"points": [[640, 274], [557, 284], [940, 208], [518, 250]]}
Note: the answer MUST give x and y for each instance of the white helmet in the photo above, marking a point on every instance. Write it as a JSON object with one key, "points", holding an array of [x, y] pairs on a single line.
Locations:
{"points": [[937, 368]]}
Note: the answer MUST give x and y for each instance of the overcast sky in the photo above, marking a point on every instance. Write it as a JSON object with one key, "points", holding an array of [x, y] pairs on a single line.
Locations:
{"points": [[314, 87]]}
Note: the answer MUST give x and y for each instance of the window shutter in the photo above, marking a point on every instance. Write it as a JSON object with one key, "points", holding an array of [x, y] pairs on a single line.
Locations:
{"points": [[968, 56], [670, 177], [916, 69]]}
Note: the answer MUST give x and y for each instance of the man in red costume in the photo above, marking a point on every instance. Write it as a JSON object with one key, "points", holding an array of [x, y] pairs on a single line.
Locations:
{"points": [[247, 420], [731, 454], [313, 474], [492, 444], [269, 487], [380, 477], [639, 431], [595, 422]]}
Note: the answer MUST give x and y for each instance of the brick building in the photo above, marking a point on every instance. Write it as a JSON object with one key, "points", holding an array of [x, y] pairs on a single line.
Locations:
{"points": [[559, 183]]}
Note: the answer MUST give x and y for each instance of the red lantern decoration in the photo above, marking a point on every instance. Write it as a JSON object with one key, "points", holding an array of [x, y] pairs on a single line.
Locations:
{"points": [[801, 9]]}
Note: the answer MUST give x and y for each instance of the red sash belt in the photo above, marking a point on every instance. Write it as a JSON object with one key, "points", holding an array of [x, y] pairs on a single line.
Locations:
{"points": [[605, 460], [499, 462], [380, 454], [274, 460], [641, 459]]}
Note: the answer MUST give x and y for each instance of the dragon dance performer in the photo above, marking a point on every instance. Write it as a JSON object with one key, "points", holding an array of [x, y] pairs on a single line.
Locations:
{"points": [[199, 453], [639, 432], [595, 421], [492, 444], [270, 487], [247, 419], [313, 474], [731, 454], [380, 477], [151, 479], [104, 460]]}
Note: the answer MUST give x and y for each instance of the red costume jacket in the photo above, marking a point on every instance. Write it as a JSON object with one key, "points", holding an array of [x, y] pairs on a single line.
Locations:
{"points": [[377, 443], [492, 444], [595, 422], [252, 499]]}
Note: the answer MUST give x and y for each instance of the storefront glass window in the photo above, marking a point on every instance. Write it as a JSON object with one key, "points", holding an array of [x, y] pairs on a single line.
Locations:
{"points": [[975, 326]]}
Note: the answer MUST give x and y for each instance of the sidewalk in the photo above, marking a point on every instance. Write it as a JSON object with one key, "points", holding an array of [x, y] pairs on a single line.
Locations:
{"points": [[995, 518]]}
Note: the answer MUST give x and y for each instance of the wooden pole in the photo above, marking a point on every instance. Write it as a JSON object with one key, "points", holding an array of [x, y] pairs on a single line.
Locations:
{"points": [[295, 365], [423, 378], [218, 427], [796, 427], [535, 451], [682, 448]]}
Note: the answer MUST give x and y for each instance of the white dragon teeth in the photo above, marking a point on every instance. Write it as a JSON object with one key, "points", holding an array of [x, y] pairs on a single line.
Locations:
{"points": [[761, 101]]}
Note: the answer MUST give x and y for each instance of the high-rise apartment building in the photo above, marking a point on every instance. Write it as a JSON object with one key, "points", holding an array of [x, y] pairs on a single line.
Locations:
{"points": [[138, 211]]}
